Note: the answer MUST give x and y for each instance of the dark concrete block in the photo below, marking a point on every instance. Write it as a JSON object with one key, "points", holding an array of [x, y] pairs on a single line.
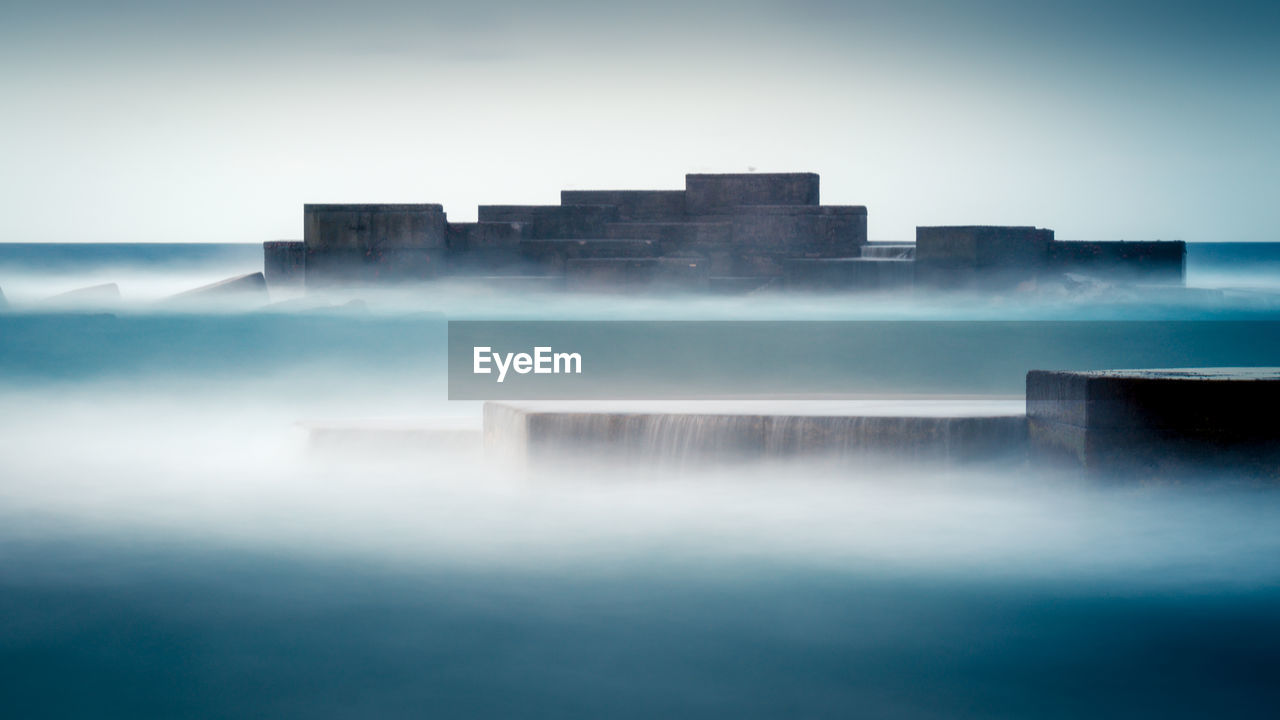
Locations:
{"points": [[551, 255], [284, 261], [984, 245], [373, 227], [619, 274], [677, 237], [851, 274], [554, 221], [720, 193], [958, 257], [393, 265], [1143, 423], [487, 235], [1154, 261], [809, 231], [633, 205]]}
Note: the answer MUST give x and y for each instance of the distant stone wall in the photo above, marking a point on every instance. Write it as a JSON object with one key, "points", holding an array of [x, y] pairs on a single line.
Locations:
{"points": [[373, 243], [721, 193], [735, 231], [1151, 261]]}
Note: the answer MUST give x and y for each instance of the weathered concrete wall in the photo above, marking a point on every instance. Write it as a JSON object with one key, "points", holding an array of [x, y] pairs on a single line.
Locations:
{"points": [[487, 248], [852, 274], [1153, 261], [550, 222], [540, 432], [807, 231], [982, 255], [719, 194], [551, 255], [1150, 423], [373, 243], [619, 274], [633, 205], [284, 261]]}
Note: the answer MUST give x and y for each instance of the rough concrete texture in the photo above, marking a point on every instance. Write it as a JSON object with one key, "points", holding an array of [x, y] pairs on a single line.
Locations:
{"points": [[551, 255], [1152, 261], [633, 205], [853, 274], [719, 194], [683, 433], [394, 265], [462, 237], [620, 274], [808, 231], [250, 285], [984, 245], [373, 227], [284, 261], [1145, 423], [550, 222]]}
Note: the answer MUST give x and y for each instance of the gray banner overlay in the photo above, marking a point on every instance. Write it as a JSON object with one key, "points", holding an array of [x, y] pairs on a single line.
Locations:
{"points": [[688, 359]]}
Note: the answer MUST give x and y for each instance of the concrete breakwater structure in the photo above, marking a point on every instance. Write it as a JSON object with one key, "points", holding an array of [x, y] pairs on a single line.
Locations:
{"points": [[725, 232], [1127, 425]]}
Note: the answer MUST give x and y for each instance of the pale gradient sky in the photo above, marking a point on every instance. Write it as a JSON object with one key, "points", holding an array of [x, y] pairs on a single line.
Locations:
{"points": [[173, 121]]}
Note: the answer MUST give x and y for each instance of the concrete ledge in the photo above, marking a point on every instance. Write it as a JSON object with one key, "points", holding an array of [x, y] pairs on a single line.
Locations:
{"points": [[809, 231], [633, 205], [1154, 261], [251, 285], [708, 194], [752, 430], [1150, 421], [888, 251], [551, 255], [487, 235], [984, 245], [554, 221]]}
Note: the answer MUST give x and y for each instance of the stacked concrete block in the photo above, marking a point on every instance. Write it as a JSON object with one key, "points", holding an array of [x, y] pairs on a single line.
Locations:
{"points": [[487, 248], [720, 194], [1140, 424], [1151, 261], [552, 255], [980, 255], [373, 243], [665, 206], [284, 261], [554, 222], [621, 274]]}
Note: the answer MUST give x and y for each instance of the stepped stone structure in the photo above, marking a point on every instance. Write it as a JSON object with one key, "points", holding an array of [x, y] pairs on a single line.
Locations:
{"points": [[722, 232]]}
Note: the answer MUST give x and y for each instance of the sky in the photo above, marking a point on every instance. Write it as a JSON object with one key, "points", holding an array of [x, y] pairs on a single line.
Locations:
{"points": [[167, 121]]}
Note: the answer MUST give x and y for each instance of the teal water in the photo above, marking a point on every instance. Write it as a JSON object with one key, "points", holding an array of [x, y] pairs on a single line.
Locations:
{"points": [[172, 546]]}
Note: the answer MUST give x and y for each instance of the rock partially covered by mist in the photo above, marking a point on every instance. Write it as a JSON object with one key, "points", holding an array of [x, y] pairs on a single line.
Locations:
{"points": [[106, 292], [251, 286]]}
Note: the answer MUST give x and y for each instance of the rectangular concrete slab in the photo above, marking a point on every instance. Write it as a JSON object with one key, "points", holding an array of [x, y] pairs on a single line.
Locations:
{"points": [[554, 221], [284, 261], [1145, 422], [1153, 261], [677, 432], [712, 194], [633, 205]]}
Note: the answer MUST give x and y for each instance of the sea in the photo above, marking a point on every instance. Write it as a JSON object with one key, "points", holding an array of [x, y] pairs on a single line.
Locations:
{"points": [[176, 543]]}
